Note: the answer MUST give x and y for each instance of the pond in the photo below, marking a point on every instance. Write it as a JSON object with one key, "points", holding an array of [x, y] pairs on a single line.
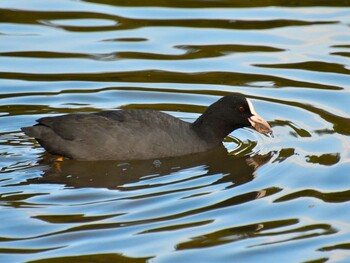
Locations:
{"points": [[283, 198]]}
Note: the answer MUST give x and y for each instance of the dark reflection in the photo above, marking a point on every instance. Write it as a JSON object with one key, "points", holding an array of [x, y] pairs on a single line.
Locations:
{"points": [[115, 22], [162, 76], [115, 175], [92, 258], [284, 154], [263, 229], [119, 22], [197, 52], [324, 159], [25, 250], [343, 246], [235, 234], [21, 109], [343, 54], [333, 197], [311, 66], [222, 3], [297, 132], [75, 218], [341, 125]]}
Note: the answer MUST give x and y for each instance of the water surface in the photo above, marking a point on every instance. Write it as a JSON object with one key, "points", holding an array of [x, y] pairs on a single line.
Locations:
{"points": [[283, 198]]}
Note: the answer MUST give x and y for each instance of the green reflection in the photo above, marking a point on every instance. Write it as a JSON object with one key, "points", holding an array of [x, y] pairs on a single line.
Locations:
{"points": [[97, 258], [334, 197], [234, 234], [223, 3], [324, 159]]}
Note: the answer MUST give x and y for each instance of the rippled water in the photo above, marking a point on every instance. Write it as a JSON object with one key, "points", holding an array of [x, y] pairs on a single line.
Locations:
{"points": [[258, 199]]}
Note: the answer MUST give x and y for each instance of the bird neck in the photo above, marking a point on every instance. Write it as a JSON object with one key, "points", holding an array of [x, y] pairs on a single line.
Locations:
{"points": [[211, 128]]}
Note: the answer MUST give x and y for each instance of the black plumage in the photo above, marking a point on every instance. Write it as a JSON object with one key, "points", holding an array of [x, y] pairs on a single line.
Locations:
{"points": [[140, 134]]}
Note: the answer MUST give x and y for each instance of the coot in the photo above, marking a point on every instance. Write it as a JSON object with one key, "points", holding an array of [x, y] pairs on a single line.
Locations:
{"points": [[143, 134]]}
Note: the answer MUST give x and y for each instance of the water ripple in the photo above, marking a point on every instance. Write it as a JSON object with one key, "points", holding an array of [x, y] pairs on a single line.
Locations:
{"points": [[255, 198]]}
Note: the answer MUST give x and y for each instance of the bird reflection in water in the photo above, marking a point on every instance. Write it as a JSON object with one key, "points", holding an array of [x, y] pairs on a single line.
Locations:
{"points": [[126, 175]]}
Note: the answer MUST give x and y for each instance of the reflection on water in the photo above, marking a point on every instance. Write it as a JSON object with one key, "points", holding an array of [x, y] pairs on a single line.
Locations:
{"points": [[284, 197], [118, 175]]}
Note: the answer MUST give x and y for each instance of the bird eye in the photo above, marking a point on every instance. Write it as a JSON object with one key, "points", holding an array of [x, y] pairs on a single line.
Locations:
{"points": [[241, 109]]}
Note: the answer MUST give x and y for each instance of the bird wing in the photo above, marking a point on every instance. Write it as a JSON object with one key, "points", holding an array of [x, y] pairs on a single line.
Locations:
{"points": [[79, 126]]}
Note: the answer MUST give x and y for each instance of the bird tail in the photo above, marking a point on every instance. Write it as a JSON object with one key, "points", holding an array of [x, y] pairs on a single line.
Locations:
{"points": [[33, 131]]}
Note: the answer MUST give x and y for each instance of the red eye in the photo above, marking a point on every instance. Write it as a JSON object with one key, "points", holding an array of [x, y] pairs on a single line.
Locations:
{"points": [[241, 109]]}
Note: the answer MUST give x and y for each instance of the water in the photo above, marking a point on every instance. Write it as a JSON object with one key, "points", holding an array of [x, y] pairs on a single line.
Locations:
{"points": [[278, 199]]}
